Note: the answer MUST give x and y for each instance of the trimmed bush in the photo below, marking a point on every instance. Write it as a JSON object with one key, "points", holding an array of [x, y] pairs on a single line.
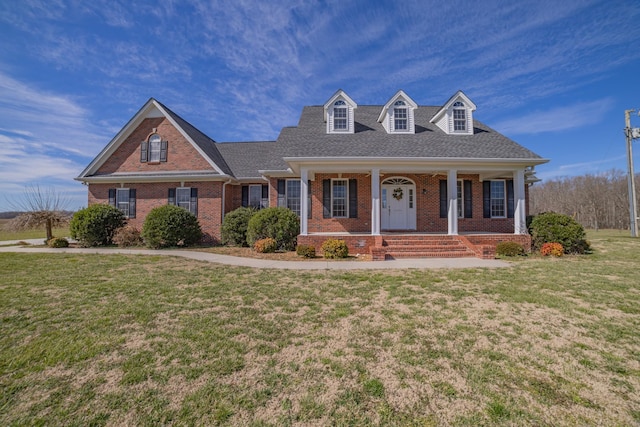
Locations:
{"points": [[96, 225], [509, 249], [170, 225], [281, 224], [306, 251], [58, 242], [127, 236], [554, 249], [234, 226], [551, 227], [334, 248], [265, 246]]}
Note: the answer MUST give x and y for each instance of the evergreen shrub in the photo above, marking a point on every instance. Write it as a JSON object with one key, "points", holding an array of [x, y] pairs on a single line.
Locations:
{"points": [[96, 225], [170, 225], [281, 224]]}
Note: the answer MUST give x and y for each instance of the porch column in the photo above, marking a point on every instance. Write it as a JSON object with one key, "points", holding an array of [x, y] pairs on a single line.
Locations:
{"points": [[304, 201], [452, 196], [519, 214], [375, 202]]}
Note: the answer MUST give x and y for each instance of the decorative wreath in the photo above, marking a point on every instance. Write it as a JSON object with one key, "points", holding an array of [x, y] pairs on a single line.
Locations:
{"points": [[397, 193]]}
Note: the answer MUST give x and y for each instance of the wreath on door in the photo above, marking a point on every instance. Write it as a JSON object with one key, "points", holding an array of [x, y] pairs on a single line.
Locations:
{"points": [[397, 193]]}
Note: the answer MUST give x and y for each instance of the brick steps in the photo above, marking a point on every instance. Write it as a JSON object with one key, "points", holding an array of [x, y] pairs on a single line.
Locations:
{"points": [[422, 246]]}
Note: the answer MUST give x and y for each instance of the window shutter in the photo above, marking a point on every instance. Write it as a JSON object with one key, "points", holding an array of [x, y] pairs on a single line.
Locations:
{"points": [[164, 145], [144, 151], [309, 199], [245, 196], [265, 191], [194, 201], [112, 196], [444, 208], [282, 196], [132, 203], [468, 199], [510, 201], [486, 199], [353, 198], [326, 198], [172, 196]]}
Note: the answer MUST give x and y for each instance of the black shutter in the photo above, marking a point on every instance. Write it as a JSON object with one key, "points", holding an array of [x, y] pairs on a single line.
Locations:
{"points": [[194, 201], [444, 200], [468, 199], [282, 196], [144, 147], [326, 198], [164, 145], [172, 196], [510, 201], [353, 198], [265, 193], [132, 203], [486, 199], [245, 196], [112, 196], [309, 199]]}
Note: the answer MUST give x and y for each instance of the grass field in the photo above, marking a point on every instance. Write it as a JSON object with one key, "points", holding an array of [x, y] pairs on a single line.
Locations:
{"points": [[29, 234], [131, 340]]}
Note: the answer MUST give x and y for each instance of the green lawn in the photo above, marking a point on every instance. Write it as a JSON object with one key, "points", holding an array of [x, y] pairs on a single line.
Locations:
{"points": [[29, 234], [132, 340]]}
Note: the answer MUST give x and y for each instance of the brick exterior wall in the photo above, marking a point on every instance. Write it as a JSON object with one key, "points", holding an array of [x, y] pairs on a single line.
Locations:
{"points": [[181, 155]]}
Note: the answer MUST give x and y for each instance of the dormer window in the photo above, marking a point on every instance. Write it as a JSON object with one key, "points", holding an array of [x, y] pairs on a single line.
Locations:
{"points": [[340, 116], [459, 117], [400, 116]]}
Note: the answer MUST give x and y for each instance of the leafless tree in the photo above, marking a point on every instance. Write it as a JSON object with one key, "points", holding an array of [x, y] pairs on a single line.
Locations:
{"points": [[41, 208]]}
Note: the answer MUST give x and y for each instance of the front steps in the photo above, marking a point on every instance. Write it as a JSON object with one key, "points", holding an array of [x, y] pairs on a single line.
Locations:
{"points": [[423, 246]]}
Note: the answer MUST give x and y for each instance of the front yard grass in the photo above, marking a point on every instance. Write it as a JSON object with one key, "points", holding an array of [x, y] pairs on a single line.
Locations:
{"points": [[152, 340]]}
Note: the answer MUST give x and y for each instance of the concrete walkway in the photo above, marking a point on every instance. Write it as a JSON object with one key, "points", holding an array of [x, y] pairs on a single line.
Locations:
{"points": [[422, 263]]}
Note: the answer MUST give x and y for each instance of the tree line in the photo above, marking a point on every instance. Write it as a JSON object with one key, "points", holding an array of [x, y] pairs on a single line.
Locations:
{"points": [[595, 201]]}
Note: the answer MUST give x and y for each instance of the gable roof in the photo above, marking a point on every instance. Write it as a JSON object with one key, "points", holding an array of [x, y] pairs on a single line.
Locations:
{"points": [[458, 95], [205, 146], [394, 98], [339, 94]]}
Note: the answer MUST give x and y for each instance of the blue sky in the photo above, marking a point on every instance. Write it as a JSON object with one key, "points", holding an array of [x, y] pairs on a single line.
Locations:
{"points": [[554, 76]]}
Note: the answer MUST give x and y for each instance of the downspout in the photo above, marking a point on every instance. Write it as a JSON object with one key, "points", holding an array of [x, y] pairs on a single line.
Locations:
{"points": [[224, 196]]}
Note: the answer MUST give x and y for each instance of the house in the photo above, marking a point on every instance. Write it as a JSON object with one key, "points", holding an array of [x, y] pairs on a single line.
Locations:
{"points": [[392, 180]]}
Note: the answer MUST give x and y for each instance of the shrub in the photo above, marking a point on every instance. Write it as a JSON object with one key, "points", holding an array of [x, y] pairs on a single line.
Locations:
{"points": [[58, 242], [334, 248], [509, 249], [265, 246], [170, 225], [306, 251], [96, 225], [551, 227], [554, 249], [127, 236], [234, 226], [281, 224]]}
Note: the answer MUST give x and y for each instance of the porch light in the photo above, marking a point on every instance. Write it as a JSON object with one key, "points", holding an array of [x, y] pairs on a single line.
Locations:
{"points": [[424, 191]]}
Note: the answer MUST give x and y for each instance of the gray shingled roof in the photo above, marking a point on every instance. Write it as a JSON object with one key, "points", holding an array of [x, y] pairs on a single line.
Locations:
{"points": [[247, 158]]}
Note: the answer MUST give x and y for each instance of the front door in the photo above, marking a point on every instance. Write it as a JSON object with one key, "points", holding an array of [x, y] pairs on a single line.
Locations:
{"points": [[398, 205]]}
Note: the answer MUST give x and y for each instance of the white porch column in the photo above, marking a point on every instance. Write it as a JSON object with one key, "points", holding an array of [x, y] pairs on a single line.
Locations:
{"points": [[375, 202], [452, 196], [519, 214], [304, 201]]}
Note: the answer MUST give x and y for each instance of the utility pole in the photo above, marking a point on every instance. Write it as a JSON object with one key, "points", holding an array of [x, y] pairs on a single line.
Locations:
{"points": [[633, 204]]}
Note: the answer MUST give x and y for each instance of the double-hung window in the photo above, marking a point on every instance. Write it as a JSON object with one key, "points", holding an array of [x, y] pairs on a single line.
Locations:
{"points": [[459, 117], [340, 116], [255, 196], [293, 195], [153, 150], [122, 200], [498, 199], [339, 198], [185, 197]]}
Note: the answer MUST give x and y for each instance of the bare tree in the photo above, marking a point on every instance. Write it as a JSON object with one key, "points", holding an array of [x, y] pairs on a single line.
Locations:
{"points": [[41, 208]]}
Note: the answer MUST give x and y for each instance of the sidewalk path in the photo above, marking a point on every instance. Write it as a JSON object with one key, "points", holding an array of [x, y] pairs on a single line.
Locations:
{"points": [[422, 263]]}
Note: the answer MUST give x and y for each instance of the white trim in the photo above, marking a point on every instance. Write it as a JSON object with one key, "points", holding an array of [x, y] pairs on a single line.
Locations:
{"points": [[346, 204], [304, 202], [519, 212], [452, 202], [375, 202], [505, 199]]}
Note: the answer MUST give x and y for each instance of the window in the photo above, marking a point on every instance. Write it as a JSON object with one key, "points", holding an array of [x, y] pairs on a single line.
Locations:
{"points": [[459, 117], [339, 200], [122, 200], [185, 197], [293, 195], [400, 119], [255, 197], [154, 150], [340, 116], [498, 199]]}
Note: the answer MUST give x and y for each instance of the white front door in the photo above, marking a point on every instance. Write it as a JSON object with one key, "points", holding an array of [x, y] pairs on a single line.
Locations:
{"points": [[397, 207]]}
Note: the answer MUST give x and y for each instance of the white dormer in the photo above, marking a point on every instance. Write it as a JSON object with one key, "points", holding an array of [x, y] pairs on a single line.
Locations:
{"points": [[397, 114], [339, 112], [456, 116]]}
